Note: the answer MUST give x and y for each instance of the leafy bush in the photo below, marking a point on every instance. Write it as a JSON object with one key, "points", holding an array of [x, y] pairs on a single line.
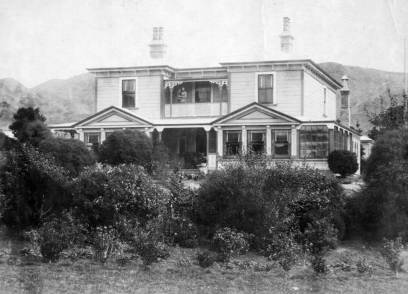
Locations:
{"points": [[108, 196], [182, 231], [282, 247], [58, 234], [127, 146], [228, 243], [319, 264], [33, 187], [363, 266], [29, 126], [69, 153], [391, 251], [206, 258], [104, 242], [343, 162], [255, 199], [381, 209]]}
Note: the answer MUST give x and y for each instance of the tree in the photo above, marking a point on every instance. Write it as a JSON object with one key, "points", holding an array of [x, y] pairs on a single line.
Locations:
{"points": [[342, 162], [69, 153], [29, 126], [391, 118], [126, 146]]}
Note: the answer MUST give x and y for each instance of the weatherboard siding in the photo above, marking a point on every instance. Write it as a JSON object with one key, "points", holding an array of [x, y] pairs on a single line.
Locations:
{"points": [[314, 100], [288, 90], [147, 95]]}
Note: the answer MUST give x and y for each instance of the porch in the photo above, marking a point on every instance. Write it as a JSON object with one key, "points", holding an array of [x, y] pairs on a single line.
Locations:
{"points": [[195, 98]]}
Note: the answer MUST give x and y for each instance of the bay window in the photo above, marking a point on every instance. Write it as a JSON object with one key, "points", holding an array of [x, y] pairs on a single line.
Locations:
{"points": [[314, 142], [232, 142]]}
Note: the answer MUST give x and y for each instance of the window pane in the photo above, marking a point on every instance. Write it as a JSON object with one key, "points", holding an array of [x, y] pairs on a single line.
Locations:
{"points": [[314, 142], [128, 100], [256, 141], [128, 85], [282, 144], [232, 142], [92, 138], [265, 88], [203, 92]]}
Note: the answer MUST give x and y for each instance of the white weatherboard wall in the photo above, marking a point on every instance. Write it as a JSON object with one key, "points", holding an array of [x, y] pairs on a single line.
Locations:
{"points": [[314, 102], [147, 95], [288, 90]]}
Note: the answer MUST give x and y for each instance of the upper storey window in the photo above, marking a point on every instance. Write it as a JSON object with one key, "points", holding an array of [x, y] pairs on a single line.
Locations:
{"points": [[129, 93], [265, 88]]}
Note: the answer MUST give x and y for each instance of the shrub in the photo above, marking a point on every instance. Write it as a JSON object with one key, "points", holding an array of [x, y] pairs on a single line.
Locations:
{"points": [[58, 234], [206, 258], [228, 243], [342, 162], [182, 231], [104, 242], [363, 266], [33, 187], [380, 210], [108, 196], [391, 251], [127, 146], [29, 126], [319, 264], [282, 247], [69, 153]]}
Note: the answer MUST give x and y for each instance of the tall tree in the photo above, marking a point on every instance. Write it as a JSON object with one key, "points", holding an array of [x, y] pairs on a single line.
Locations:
{"points": [[29, 126]]}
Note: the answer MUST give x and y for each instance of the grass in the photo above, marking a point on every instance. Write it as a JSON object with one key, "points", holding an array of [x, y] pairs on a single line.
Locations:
{"points": [[181, 274]]}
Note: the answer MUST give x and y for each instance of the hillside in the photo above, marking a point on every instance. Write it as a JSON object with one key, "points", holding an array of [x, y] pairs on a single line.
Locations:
{"points": [[69, 100]]}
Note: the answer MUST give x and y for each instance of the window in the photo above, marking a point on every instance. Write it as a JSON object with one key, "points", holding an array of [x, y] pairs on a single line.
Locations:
{"points": [[256, 141], [202, 92], [129, 93], [232, 142], [282, 143], [212, 141], [265, 88], [314, 142], [92, 138]]}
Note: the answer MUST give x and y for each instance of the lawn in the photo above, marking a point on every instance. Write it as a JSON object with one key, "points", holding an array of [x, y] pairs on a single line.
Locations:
{"points": [[181, 274]]}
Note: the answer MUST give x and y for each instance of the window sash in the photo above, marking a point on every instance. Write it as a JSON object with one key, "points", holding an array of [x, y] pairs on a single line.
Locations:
{"points": [[233, 142], [256, 141], [314, 142], [265, 88], [92, 138], [281, 144], [129, 93]]}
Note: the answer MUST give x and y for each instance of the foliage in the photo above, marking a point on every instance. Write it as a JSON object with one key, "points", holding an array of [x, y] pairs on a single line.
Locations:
{"points": [[228, 242], [192, 159], [29, 126], [107, 196], [104, 242], [283, 248], [319, 264], [58, 234], [33, 186], [69, 153], [391, 251], [381, 209], [182, 231], [206, 258], [363, 266], [160, 158], [391, 118], [342, 162], [128, 146]]}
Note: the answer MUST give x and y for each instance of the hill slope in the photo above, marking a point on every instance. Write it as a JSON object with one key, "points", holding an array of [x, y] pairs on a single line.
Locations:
{"points": [[72, 99]]}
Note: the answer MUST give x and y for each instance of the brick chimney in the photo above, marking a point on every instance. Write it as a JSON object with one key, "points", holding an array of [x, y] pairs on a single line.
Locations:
{"points": [[286, 37], [157, 45]]}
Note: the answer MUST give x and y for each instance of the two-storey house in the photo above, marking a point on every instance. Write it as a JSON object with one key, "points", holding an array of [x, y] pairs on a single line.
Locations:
{"points": [[284, 108]]}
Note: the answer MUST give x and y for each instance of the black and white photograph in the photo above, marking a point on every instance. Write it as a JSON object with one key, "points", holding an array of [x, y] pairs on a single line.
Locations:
{"points": [[203, 146]]}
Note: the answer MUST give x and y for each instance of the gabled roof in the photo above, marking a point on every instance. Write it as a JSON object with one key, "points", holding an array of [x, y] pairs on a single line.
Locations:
{"points": [[113, 114], [257, 114]]}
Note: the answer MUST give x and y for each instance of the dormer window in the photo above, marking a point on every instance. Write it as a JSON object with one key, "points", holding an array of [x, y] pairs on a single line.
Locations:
{"points": [[265, 88], [129, 93]]}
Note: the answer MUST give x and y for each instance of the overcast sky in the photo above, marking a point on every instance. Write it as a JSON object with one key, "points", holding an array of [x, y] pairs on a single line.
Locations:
{"points": [[45, 39]]}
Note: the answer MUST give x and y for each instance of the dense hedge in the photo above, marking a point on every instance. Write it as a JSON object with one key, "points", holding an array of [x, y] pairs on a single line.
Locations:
{"points": [[69, 153], [381, 209], [342, 162], [128, 146], [254, 200]]}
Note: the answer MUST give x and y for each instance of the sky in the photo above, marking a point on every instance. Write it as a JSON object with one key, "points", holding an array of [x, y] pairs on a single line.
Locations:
{"points": [[47, 39]]}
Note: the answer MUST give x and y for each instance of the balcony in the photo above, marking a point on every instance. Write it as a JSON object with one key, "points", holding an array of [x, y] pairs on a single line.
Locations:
{"points": [[195, 98]]}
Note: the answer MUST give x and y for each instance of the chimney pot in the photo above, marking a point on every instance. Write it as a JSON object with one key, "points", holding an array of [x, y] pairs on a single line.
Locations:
{"points": [[157, 45], [286, 37]]}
